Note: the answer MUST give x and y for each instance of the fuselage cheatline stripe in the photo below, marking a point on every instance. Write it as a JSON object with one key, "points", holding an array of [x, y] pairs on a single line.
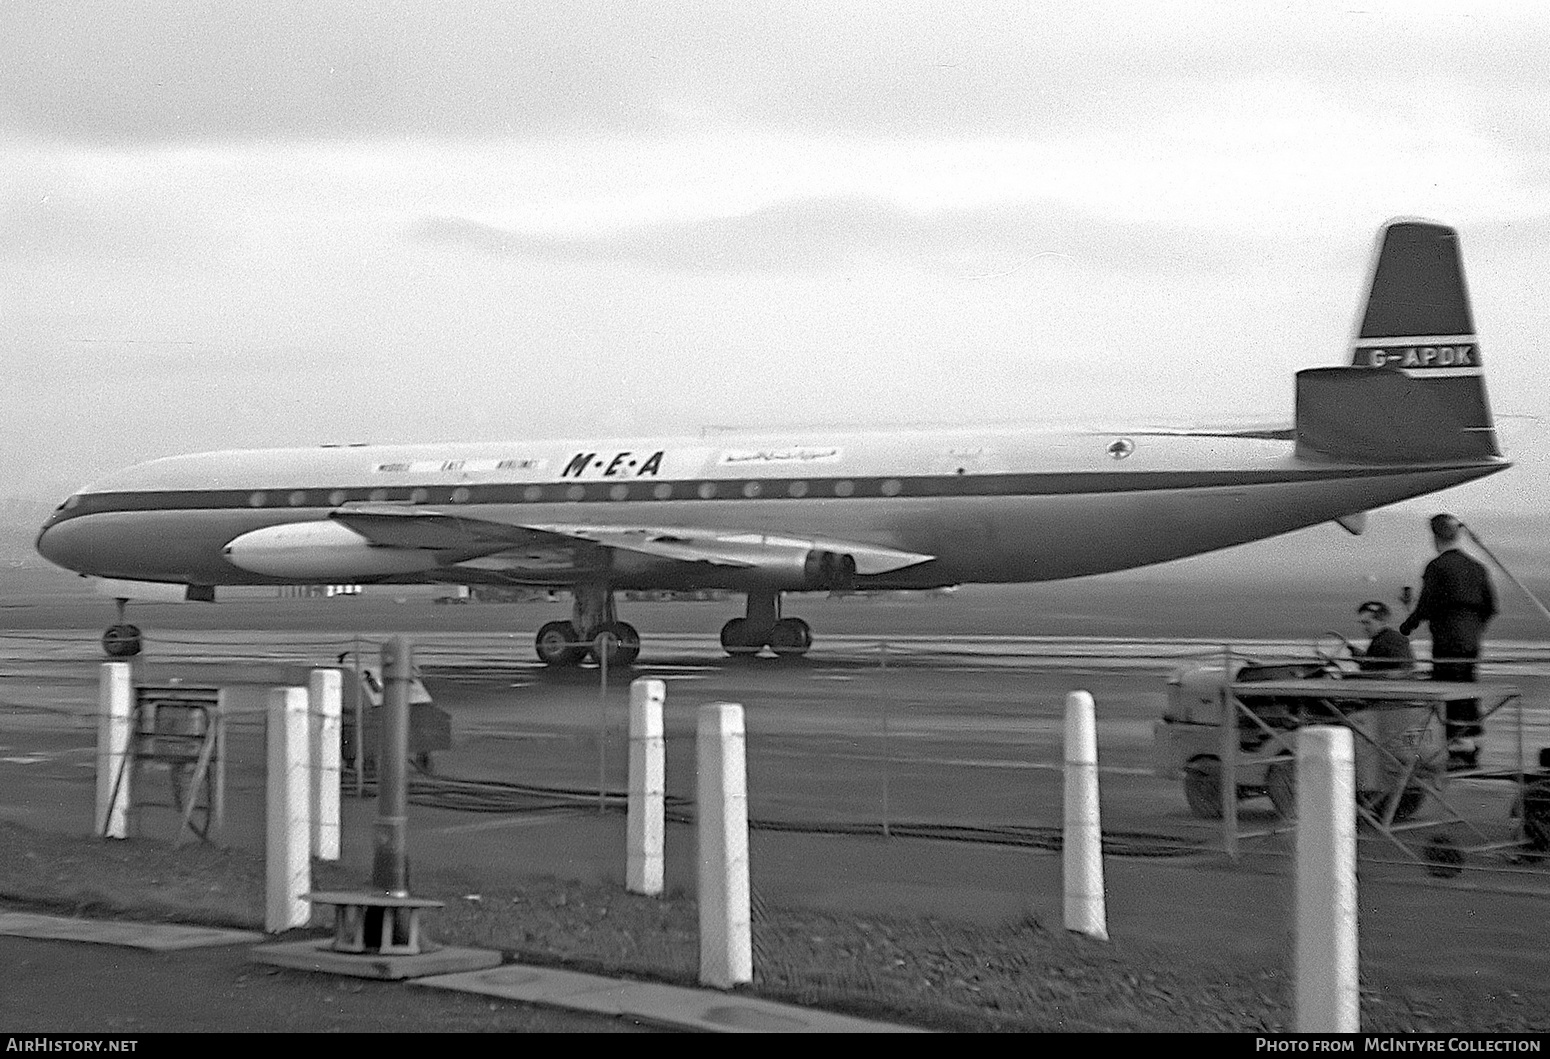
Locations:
{"points": [[733, 490]]}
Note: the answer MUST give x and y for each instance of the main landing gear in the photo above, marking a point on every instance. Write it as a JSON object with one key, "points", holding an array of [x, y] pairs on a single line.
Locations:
{"points": [[121, 640], [764, 627], [594, 629]]}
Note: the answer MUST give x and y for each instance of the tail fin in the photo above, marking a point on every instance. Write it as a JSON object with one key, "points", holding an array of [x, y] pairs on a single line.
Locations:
{"points": [[1415, 390]]}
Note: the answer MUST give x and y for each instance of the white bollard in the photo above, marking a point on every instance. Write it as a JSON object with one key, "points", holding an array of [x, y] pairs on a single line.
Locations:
{"points": [[1082, 846], [1327, 996], [648, 786], [288, 832], [115, 692], [726, 939], [325, 698]]}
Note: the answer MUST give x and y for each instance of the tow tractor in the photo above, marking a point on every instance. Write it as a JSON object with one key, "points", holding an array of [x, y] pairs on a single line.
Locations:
{"points": [[1399, 737]]}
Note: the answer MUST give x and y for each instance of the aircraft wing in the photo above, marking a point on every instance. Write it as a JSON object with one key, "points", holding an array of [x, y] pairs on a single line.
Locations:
{"points": [[734, 548], [429, 529]]}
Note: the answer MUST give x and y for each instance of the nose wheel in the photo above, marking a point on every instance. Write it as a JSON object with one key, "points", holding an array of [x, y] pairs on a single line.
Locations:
{"points": [[121, 640]]}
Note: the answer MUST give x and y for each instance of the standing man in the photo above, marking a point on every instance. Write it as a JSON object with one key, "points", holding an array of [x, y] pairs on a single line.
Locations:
{"points": [[1457, 601]]}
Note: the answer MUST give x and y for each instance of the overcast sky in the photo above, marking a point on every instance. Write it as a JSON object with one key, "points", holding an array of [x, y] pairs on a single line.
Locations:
{"points": [[268, 223]]}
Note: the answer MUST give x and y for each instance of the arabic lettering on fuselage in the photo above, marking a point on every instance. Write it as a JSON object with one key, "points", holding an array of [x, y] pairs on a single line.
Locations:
{"points": [[782, 455]]}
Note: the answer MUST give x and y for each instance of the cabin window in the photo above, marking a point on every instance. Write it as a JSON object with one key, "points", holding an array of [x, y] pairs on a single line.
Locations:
{"points": [[707, 490], [257, 499], [419, 496], [338, 496], [893, 487], [797, 489], [844, 488], [662, 491], [379, 495], [461, 494], [576, 492], [298, 498], [619, 492], [751, 489], [533, 492]]}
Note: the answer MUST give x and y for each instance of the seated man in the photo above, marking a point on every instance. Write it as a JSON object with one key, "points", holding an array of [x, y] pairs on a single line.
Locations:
{"points": [[1388, 650]]}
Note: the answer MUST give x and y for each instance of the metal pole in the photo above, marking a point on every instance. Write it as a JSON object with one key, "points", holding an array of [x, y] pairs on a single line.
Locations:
{"points": [[605, 641], [1510, 575], [884, 681], [217, 826], [1228, 770], [1522, 769], [390, 863], [358, 720]]}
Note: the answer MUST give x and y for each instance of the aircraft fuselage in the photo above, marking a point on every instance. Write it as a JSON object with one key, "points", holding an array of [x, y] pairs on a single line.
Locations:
{"points": [[1011, 506]]}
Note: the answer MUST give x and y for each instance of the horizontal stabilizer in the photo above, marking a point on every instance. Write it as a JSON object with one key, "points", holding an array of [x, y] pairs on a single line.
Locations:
{"points": [[1379, 415]]}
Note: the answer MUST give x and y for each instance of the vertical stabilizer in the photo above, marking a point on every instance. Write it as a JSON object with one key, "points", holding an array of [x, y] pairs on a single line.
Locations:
{"points": [[1417, 319], [1415, 390]]}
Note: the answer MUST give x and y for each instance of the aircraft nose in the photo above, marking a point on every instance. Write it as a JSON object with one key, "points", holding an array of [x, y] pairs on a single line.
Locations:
{"points": [[47, 545], [58, 544]]}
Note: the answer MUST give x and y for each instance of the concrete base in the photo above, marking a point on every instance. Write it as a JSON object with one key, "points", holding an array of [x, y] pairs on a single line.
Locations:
{"points": [[699, 1009], [317, 954], [160, 937]]}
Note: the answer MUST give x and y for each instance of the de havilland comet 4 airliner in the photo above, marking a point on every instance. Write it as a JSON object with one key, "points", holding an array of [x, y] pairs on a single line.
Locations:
{"points": [[813, 511]]}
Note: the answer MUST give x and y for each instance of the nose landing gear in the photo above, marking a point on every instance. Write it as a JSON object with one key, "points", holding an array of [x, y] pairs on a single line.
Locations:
{"points": [[121, 640]]}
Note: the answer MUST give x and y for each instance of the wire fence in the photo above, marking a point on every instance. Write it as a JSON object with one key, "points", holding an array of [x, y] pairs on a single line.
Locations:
{"points": [[912, 737], [946, 752]]}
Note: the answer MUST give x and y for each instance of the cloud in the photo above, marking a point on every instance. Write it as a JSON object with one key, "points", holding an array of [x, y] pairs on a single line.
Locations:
{"points": [[822, 233], [174, 70]]}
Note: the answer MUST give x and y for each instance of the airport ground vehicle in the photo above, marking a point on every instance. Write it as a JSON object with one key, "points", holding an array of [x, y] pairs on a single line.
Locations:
{"points": [[1400, 742], [1402, 766]]}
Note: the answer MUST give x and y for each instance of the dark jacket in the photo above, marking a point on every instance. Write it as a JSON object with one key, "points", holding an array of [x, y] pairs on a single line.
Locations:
{"points": [[1457, 601], [1387, 655]]}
